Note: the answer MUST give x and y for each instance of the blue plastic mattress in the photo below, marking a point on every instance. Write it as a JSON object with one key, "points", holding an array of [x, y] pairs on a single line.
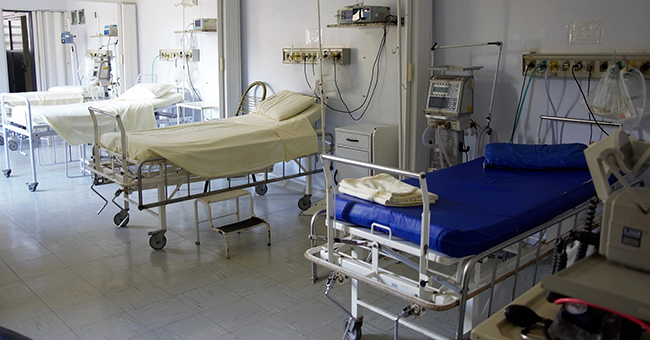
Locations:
{"points": [[478, 207]]}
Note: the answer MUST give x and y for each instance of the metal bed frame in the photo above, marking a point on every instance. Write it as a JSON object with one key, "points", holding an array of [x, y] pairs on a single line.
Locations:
{"points": [[135, 176], [434, 281]]}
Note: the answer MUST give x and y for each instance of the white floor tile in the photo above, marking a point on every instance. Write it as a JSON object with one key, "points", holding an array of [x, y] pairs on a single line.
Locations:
{"points": [[47, 326], [88, 312], [270, 328], [236, 314], [36, 267], [52, 280], [138, 295], [207, 297], [69, 295], [22, 310], [196, 327], [14, 291], [118, 327], [162, 313]]}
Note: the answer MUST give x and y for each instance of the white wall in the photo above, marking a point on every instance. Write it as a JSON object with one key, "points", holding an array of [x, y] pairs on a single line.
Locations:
{"points": [[541, 26], [157, 22], [269, 26], [98, 15]]}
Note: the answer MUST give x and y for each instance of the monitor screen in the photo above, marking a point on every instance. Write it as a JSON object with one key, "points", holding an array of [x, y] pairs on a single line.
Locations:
{"points": [[437, 102], [440, 89]]}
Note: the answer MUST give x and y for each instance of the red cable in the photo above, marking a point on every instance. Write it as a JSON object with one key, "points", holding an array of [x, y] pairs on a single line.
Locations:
{"points": [[631, 318]]}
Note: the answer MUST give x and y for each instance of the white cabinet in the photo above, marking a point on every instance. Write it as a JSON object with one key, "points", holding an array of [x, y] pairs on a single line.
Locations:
{"points": [[370, 143]]}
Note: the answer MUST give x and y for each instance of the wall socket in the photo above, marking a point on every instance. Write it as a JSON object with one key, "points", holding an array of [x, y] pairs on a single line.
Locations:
{"points": [[310, 55], [560, 65], [177, 54]]}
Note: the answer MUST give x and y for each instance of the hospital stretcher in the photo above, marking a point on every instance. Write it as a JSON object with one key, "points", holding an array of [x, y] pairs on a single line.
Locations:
{"points": [[177, 156], [486, 226], [70, 121]]}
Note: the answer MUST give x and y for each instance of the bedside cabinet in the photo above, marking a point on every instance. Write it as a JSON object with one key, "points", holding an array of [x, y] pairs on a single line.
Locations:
{"points": [[370, 143]]}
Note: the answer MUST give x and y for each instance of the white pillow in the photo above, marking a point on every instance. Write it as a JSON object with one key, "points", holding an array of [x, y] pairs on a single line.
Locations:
{"points": [[284, 104], [146, 91]]}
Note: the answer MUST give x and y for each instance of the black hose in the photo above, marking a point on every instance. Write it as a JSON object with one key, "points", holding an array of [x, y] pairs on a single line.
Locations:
{"points": [[560, 257]]}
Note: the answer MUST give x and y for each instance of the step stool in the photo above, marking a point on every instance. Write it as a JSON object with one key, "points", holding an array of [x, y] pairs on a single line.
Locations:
{"points": [[238, 226]]}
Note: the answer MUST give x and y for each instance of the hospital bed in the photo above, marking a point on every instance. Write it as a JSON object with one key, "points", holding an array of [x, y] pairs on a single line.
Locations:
{"points": [[487, 225], [170, 159], [57, 95], [73, 122]]}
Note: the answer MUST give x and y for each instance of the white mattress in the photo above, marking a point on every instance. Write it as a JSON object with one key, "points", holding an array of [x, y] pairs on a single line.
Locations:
{"points": [[45, 98], [225, 147]]}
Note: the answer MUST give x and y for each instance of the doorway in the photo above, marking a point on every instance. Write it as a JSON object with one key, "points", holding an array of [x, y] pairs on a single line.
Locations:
{"points": [[19, 49]]}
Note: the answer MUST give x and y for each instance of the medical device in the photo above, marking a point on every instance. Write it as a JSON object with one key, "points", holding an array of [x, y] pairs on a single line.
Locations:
{"points": [[451, 97], [357, 14], [625, 231], [110, 30], [205, 24], [67, 38], [448, 107], [102, 70]]}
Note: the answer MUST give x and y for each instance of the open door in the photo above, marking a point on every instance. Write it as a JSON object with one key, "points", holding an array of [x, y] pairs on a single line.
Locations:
{"points": [[19, 47]]}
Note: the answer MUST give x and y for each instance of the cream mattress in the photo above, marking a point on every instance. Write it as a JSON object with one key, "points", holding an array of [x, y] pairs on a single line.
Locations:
{"points": [[74, 124], [46, 98], [225, 147]]}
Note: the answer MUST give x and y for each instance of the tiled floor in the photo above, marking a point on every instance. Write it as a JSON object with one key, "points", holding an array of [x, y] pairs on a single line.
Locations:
{"points": [[68, 273]]}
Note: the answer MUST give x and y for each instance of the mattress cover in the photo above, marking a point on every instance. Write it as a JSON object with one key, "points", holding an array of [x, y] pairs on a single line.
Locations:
{"points": [[39, 98], [224, 147], [477, 208]]}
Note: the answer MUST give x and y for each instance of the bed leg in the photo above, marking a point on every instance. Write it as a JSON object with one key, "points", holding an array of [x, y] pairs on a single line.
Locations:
{"points": [[32, 159]]}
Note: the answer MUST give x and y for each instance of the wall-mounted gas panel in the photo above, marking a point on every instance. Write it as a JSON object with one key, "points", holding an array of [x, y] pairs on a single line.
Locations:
{"points": [[311, 55], [178, 54], [560, 65], [99, 53]]}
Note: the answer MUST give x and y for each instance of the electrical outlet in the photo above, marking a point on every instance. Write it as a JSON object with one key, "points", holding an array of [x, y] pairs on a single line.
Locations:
{"points": [[311, 55], [582, 65]]}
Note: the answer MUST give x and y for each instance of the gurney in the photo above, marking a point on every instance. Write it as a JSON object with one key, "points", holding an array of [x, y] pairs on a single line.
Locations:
{"points": [[177, 156], [72, 121], [487, 225]]}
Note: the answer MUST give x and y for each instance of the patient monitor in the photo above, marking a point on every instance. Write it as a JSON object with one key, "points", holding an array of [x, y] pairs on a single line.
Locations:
{"points": [[451, 98], [625, 231]]}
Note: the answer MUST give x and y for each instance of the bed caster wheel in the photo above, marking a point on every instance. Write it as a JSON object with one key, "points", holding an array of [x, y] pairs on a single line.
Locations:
{"points": [[32, 186], [12, 143], [261, 189], [305, 202], [121, 219], [157, 240], [354, 330], [6, 172]]}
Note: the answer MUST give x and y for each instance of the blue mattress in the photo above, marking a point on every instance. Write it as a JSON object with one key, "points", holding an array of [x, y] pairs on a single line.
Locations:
{"points": [[478, 207]]}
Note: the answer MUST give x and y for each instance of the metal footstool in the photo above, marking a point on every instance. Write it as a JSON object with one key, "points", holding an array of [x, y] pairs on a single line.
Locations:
{"points": [[238, 226]]}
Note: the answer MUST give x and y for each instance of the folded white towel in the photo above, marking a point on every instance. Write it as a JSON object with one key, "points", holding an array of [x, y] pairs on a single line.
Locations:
{"points": [[384, 189]]}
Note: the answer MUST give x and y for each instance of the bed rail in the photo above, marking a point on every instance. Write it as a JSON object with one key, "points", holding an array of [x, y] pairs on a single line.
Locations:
{"points": [[346, 246]]}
